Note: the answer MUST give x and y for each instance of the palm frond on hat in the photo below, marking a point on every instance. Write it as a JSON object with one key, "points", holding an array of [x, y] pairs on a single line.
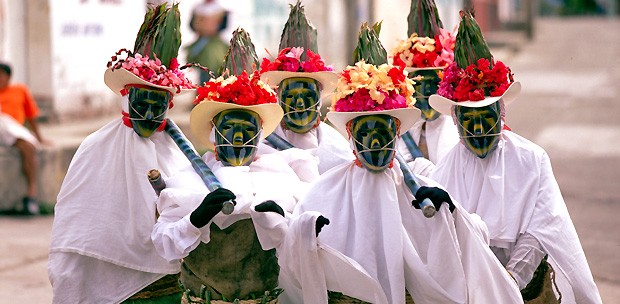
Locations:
{"points": [[298, 32], [241, 55], [160, 34], [153, 62], [369, 47], [423, 19], [470, 44]]}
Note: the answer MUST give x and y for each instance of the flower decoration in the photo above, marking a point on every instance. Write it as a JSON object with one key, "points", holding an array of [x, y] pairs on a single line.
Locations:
{"points": [[243, 90], [289, 59], [475, 81], [366, 87], [425, 52], [152, 70]]}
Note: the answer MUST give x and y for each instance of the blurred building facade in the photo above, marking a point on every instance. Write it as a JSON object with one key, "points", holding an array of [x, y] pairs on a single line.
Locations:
{"points": [[59, 48]]}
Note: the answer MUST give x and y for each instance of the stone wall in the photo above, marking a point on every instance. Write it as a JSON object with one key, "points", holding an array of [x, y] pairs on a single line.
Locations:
{"points": [[53, 164]]}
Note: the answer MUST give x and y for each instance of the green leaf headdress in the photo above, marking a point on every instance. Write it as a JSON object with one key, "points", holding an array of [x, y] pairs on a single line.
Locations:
{"points": [[369, 47], [153, 62], [470, 45], [241, 55], [298, 32]]}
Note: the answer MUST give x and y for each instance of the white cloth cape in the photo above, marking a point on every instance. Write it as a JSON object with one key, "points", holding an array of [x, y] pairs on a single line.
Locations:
{"points": [[324, 268], [101, 250], [11, 131], [441, 135], [514, 191], [269, 177], [444, 259], [324, 142]]}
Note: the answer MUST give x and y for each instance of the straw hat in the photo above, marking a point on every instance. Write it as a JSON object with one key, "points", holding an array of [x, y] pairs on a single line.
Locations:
{"points": [[241, 92], [153, 62]]}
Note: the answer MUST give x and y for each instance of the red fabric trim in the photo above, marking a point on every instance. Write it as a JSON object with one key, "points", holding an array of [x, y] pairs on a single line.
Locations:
{"points": [[506, 127], [162, 126], [126, 120]]}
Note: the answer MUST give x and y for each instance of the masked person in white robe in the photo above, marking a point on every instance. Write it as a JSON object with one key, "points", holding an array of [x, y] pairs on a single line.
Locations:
{"points": [[303, 80], [508, 181], [443, 259], [222, 256], [101, 250], [427, 51]]}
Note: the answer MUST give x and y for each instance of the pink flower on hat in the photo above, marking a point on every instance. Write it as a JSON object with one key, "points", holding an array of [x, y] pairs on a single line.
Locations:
{"points": [[366, 87]]}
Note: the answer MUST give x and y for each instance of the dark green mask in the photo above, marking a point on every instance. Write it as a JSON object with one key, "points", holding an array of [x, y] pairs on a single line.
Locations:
{"points": [[479, 128], [374, 140], [236, 136], [299, 98], [424, 89], [147, 109]]}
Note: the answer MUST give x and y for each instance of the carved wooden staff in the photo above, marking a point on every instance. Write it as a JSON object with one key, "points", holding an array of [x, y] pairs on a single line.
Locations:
{"points": [[205, 173], [411, 145], [428, 209]]}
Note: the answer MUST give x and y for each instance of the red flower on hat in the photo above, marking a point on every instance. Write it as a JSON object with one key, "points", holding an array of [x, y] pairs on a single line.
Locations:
{"points": [[475, 81], [289, 59], [242, 90], [366, 87]]}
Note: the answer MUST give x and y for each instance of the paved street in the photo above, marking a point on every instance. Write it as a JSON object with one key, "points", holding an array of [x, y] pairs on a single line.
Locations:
{"points": [[569, 105]]}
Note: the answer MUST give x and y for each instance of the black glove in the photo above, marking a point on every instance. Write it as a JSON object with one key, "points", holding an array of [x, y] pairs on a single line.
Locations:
{"points": [[320, 222], [210, 206], [436, 195], [269, 206]]}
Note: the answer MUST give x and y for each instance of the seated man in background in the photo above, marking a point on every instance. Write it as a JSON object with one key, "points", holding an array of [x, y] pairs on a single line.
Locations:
{"points": [[17, 107]]}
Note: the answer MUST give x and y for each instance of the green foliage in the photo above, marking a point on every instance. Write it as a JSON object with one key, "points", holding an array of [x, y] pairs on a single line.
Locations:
{"points": [[241, 55], [298, 32], [423, 19], [369, 47], [160, 33], [470, 44]]}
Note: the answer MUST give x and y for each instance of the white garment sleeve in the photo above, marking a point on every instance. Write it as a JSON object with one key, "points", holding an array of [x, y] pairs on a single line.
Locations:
{"points": [[421, 166], [174, 236], [524, 259]]}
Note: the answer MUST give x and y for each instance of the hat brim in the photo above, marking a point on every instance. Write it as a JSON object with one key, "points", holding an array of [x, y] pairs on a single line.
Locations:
{"points": [[406, 116], [327, 79], [444, 105], [202, 114], [117, 79]]}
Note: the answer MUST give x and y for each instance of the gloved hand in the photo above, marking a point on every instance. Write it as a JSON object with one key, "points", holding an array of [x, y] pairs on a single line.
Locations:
{"points": [[210, 206], [436, 195], [269, 206], [320, 222]]}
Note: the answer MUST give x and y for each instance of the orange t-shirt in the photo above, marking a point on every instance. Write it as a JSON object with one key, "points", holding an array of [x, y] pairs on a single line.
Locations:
{"points": [[16, 100]]}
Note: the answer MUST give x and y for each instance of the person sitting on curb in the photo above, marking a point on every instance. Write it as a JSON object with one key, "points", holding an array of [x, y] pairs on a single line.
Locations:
{"points": [[17, 107]]}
